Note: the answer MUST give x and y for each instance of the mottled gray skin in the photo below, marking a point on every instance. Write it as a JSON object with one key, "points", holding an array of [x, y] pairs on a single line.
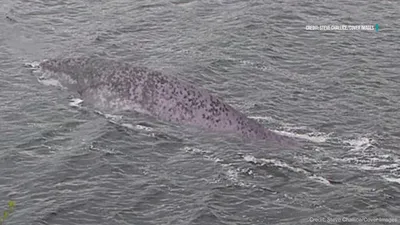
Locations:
{"points": [[113, 85]]}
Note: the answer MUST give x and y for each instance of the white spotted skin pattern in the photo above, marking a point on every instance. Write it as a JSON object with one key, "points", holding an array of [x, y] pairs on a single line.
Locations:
{"points": [[113, 85]]}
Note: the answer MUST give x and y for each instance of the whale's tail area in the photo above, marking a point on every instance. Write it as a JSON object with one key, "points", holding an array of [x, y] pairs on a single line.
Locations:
{"points": [[282, 140]]}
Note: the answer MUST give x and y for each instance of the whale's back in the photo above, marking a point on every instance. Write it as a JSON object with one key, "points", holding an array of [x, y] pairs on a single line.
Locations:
{"points": [[113, 85]]}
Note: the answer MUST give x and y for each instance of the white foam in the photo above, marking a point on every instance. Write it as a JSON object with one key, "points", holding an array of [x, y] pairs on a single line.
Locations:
{"points": [[379, 168], [317, 137], [232, 175], [205, 153], [320, 179], [75, 102], [392, 179], [140, 127], [314, 136], [112, 117], [130, 126], [278, 163], [250, 158], [195, 150], [33, 64], [359, 144], [274, 162], [364, 156], [116, 119], [263, 118], [50, 82], [127, 125]]}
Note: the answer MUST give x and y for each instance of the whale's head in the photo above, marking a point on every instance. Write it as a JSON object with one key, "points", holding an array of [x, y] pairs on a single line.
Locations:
{"points": [[79, 74], [65, 71], [70, 66]]}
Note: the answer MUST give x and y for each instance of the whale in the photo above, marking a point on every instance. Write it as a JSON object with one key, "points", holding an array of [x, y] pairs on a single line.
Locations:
{"points": [[113, 85]]}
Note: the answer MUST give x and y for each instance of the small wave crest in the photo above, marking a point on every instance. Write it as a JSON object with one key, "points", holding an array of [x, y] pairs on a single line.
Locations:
{"points": [[278, 163], [296, 131]]}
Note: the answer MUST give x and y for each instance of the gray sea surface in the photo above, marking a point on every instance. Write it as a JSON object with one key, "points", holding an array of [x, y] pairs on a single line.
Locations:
{"points": [[337, 91]]}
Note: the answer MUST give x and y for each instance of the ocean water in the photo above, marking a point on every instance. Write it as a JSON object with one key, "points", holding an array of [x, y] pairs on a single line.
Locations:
{"points": [[338, 91]]}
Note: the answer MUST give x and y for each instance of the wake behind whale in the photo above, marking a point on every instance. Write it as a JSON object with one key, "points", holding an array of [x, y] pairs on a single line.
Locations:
{"points": [[115, 86]]}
